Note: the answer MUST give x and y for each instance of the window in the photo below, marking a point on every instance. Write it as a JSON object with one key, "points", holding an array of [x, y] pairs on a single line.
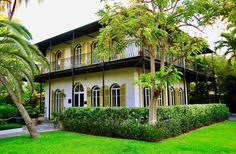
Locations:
{"points": [[172, 96], [115, 95], [57, 100], [79, 95], [159, 100], [181, 96], [58, 60], [93, 57], [131, 50], [95, 96], [77, 54], [147, 97]]}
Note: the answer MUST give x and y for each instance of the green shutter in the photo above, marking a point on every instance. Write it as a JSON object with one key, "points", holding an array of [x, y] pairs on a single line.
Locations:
{"points": [[123, 95], [89, 97], [52, 101], [101, 97], [62, 100], [177, 101], [107, 97]]}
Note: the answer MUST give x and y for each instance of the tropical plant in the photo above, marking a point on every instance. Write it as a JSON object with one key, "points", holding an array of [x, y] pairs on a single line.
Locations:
{"points": [[18, 64], [154, 26], [9, 6], [229, 43]]}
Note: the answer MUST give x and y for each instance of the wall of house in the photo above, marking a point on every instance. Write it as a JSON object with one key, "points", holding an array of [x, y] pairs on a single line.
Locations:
{"points": [[119, 76]]}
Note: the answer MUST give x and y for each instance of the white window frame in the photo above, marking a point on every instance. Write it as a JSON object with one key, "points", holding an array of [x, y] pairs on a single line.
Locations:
{"points": [[57, 100], [147, 97], [80, 91], [116, 88], [95, 96], [181, 97], [172, 95], [160, 99]]}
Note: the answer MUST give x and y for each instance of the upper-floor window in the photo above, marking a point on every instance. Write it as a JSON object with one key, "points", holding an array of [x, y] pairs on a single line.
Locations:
{"points": [[95, 96], [172, 96], [115, 95], [181, 96], [58, 60], [77, 54], [93, 56], [147, 97]]}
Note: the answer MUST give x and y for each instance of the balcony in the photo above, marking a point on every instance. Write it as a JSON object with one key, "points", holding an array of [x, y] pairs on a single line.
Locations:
{"points": [[89, 59]]}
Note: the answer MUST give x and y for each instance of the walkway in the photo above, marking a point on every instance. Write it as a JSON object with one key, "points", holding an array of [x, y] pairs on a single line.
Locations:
{"points": [[43, 127], [232, 116]]}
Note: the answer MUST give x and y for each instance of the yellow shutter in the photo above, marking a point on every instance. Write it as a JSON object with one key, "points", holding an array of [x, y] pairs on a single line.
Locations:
{"points": [[52, 101], [63, 59], [89, 53], [101, 97], [62, 100], [71, 55], [53, 58], [177, 101], [142, 97], [89, 97], [123, 95], [164, 96], [107, 97]]}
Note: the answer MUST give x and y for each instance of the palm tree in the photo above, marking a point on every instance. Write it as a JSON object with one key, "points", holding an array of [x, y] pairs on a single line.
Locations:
{"points": [[9, 6], [229, 43], [19, 62]]}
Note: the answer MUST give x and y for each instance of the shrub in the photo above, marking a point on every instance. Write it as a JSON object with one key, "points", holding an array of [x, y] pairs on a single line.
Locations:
{"points": [[10, 126], [8, 111], [133, 122]]}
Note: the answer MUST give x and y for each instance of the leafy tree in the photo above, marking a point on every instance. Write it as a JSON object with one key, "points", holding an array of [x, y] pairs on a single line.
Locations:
{"points": [[154, 25], [18, 64]]}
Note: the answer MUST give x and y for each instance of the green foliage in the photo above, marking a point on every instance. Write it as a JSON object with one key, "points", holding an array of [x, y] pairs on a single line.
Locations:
{"points": [[10, 126], [57, 117], [8, 111], [168, 75], [133, 122]]}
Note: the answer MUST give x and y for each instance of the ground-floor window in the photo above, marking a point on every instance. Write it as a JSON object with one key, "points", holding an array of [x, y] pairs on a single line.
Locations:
{"points": [[57, 100], [172, 96], [181, 96], [78, 95], [147, 97], [95, 96], [160, 99], [115, 95]]}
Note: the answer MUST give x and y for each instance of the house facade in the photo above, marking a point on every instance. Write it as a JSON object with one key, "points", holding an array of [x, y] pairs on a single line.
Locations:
{"points": [[77, 78]]}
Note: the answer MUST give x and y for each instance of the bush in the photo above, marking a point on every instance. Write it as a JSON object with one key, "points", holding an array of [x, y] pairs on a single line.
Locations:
{"points": [[8, 111], [133, 122], [10, 126]]}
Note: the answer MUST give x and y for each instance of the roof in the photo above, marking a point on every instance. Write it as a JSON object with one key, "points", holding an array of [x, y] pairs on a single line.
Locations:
{"points": [[68, 36]]}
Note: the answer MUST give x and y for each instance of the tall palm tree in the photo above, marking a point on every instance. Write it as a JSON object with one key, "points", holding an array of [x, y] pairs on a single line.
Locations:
{"points": [[9, 6], [229, 43], [19, 62]]}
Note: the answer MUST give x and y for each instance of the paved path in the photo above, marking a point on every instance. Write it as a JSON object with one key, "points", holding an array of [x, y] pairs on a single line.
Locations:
{"points": [[43, 127], [232, 116]]}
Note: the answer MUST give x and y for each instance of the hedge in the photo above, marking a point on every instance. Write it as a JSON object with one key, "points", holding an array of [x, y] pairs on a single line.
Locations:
{"points": [[133, 122], [8, 111], [10, 126]]}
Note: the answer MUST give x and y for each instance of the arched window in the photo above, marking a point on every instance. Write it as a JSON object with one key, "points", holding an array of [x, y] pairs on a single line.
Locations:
{"points": [[115, 95], [77, 54], [95, 96], [57, 100], [58, 60], [93, 57], [160, 98], [147, 97], [181, 96], [172, 96], [79, 95]]}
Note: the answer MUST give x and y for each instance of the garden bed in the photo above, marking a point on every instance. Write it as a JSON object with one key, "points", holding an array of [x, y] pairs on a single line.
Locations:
{"points": [[10, 129]]}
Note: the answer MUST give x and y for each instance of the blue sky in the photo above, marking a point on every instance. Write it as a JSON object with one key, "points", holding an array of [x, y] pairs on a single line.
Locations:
{"points": [[53, 17]]}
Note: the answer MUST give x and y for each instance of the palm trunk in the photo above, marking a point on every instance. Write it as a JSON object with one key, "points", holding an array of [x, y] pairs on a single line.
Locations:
{"points": [[24, 114]]}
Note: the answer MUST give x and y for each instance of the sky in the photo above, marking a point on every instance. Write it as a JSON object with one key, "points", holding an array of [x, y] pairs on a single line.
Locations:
{"points": [[53, 17]]}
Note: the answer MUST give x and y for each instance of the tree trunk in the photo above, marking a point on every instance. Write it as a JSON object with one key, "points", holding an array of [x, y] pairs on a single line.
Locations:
{"points": [[153, 106], [13, 10], [24, 114]]}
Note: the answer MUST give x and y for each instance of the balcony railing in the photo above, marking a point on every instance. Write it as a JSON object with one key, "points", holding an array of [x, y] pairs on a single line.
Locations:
{"points": [[90, 59], [85, 60]]}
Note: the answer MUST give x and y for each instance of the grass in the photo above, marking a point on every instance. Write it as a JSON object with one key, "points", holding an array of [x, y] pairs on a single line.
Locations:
{"points": [[217, 138]]}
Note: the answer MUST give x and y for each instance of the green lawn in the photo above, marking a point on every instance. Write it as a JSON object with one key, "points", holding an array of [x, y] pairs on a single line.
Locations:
{"points": [[217, 138]]}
